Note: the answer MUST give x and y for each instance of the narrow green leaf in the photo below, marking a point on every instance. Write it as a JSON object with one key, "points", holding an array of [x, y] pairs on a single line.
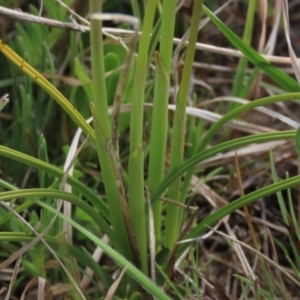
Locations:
{"points": [[281, 78], [173, 221], [194, 160], [58, 173], [137, 204], [136, 274], [236, 204], [51, 193]]}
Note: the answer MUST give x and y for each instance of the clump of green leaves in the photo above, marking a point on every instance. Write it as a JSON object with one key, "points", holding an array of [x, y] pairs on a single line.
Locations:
{"points": [[132, 179]]}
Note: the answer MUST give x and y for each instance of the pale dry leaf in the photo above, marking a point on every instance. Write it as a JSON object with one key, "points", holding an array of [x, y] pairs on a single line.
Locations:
{"points": [[270, 46], [67, 206], [263, 19], [34, 241], [28, 286], [248, 270], [13, 278], [41, 288], [125, 33], [266, 258], [89, 273], [151, 237], [3, 101], [60, 289], [22, 250], [268, 112], [115, 285]]}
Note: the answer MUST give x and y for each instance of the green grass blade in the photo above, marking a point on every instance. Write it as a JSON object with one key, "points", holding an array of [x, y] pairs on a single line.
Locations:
{"points": [[83, 257], [273, 72], [279, 195], [58, 173], [236, 112], [44, 193], [251, 284], [160, 107], [103, 129], [49, 88], [191, 162], [173, 221], [136, 158], [247, 36], [236, 204]]}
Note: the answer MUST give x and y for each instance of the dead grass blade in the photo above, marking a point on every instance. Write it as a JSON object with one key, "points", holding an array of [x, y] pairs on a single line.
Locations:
{"points": [[59, 289], [41, 289], [264, 110], [112, 32], [263, 7], [39, 237], [23, 250], [67, 206], [68, 170], [13, 278], [28, 286], [115, 285], [267, 259], [151, 237], [246, 210], [270, 46], [113, 145], [240, 254], [216, 286], [173, 202], [183, 233], [202, 237], [89, 273]]}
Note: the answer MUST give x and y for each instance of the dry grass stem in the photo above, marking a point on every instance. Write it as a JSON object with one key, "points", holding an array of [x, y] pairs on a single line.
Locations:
{"points": [[125, 33]]}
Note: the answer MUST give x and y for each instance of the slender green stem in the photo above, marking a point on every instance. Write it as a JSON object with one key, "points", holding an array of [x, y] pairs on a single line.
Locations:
{"points": [[242, 65], [177, 144], [114, 153], [103, 129], [136, 159], [159, 124], [136, 121]]}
